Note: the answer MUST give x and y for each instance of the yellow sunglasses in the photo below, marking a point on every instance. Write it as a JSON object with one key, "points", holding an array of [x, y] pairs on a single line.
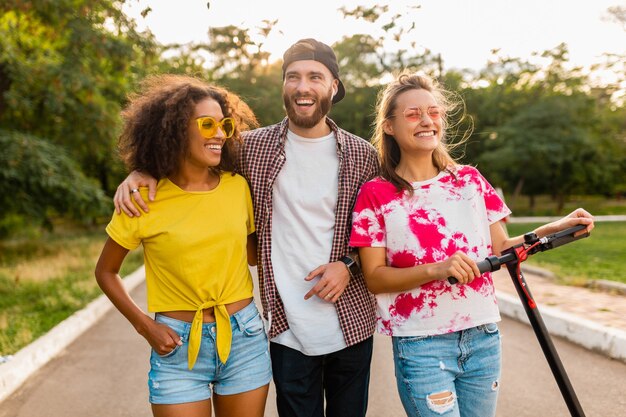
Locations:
{"points": [[208, 126]]}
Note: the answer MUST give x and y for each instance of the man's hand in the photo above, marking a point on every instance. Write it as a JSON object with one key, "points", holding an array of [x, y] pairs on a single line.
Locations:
{"points": [[334, 278], [128, 190]]}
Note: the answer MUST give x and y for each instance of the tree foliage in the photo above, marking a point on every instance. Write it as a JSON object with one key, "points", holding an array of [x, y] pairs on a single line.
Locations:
{"points": [[38, 180], [66, 67], [542, 147], [242, 65], [539, 129]]}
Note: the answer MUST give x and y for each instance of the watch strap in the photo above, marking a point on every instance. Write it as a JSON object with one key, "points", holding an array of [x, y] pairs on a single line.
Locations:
{"points": [[352, 265]]}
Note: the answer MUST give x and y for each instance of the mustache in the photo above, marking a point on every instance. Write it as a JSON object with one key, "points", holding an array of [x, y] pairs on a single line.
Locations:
{"points": [[298, 96]]}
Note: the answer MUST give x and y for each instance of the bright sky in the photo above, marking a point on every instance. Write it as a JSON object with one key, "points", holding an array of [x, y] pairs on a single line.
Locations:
{"points": [[463, 31]]}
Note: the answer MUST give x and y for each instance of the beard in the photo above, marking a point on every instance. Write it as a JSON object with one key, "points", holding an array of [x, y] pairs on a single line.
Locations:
{"points": [[322, 107]]}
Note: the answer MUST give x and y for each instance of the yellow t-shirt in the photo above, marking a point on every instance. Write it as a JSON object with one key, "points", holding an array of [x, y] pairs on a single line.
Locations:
{"points": [[195, 252]]}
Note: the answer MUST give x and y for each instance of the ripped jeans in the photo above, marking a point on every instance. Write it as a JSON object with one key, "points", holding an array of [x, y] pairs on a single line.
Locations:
{"points": [[454, 374]]}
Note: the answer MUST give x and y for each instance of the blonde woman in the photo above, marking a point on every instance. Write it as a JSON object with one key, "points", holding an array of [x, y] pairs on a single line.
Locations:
{"points": [[424, 219]]}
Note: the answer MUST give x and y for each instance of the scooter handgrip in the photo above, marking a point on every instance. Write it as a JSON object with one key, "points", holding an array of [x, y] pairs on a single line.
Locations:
{"points": [[484, 265]]}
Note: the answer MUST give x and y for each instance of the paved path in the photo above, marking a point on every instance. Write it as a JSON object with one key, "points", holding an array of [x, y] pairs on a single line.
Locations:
{"points": [[103, 372], [603, 308]]}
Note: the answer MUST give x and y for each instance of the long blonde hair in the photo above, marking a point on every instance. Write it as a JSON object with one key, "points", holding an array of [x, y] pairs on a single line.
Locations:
{"points": [[388, 148]]}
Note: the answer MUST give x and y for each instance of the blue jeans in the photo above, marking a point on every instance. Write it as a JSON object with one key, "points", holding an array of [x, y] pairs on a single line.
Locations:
{"points": [[302, 380], [456, 374], [248, 366]]}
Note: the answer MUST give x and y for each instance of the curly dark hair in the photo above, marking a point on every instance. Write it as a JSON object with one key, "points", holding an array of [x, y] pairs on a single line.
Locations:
{"points": [[154, 137]]}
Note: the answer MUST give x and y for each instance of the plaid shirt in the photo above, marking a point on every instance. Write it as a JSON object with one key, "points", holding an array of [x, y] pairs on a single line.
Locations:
{"points": [[260, 159]]}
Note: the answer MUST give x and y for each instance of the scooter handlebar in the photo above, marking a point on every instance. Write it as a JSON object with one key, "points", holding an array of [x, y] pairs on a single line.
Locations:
{"points": [[492, 263]]}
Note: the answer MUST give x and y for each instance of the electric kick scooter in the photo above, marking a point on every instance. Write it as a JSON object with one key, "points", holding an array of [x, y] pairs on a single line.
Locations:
{"points": [[512, 258]]}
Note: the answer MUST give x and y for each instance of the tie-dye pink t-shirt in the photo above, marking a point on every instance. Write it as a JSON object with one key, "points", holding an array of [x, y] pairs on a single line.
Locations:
{"points": [[444, 215]]}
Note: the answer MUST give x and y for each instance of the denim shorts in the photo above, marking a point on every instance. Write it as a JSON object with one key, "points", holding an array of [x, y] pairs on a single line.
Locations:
{"points": [[456, 374], [247, 368]]}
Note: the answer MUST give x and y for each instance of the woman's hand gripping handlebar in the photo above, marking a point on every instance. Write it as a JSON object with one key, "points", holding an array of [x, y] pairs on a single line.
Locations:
{"points": [[532, 245]]}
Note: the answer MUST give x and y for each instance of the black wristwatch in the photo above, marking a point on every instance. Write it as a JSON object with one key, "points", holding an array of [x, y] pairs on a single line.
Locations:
{"points": [[352, 265]]}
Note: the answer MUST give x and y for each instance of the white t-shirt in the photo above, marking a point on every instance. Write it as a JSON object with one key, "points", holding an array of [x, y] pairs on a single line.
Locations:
{"points": [[303, 224], [443, 215]]}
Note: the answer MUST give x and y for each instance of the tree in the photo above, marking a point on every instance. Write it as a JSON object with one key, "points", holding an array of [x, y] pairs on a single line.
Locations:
{"points": [[549, 148], [610, 131], [235, 52], [240, 63], [509, 99], [618, 15], [38, 180], [615, 64], [385, 53], [66, 67]]}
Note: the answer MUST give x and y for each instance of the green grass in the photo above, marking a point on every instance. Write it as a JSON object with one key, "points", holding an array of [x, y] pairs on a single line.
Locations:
{"points": [[545, 206], [46, 279], [43, 280], [599, 256]]}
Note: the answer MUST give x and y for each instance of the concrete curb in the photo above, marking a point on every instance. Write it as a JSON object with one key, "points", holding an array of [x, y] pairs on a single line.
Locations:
{"points": [[607, 286], [29, 359], [606, 340]]}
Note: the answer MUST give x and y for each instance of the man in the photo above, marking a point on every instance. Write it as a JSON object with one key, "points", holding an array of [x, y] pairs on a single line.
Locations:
{"points": [[304, 174]]}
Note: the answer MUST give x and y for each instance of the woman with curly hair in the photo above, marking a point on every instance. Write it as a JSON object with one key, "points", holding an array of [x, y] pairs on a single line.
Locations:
{"points": [[207, 336], [424, 219]]}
